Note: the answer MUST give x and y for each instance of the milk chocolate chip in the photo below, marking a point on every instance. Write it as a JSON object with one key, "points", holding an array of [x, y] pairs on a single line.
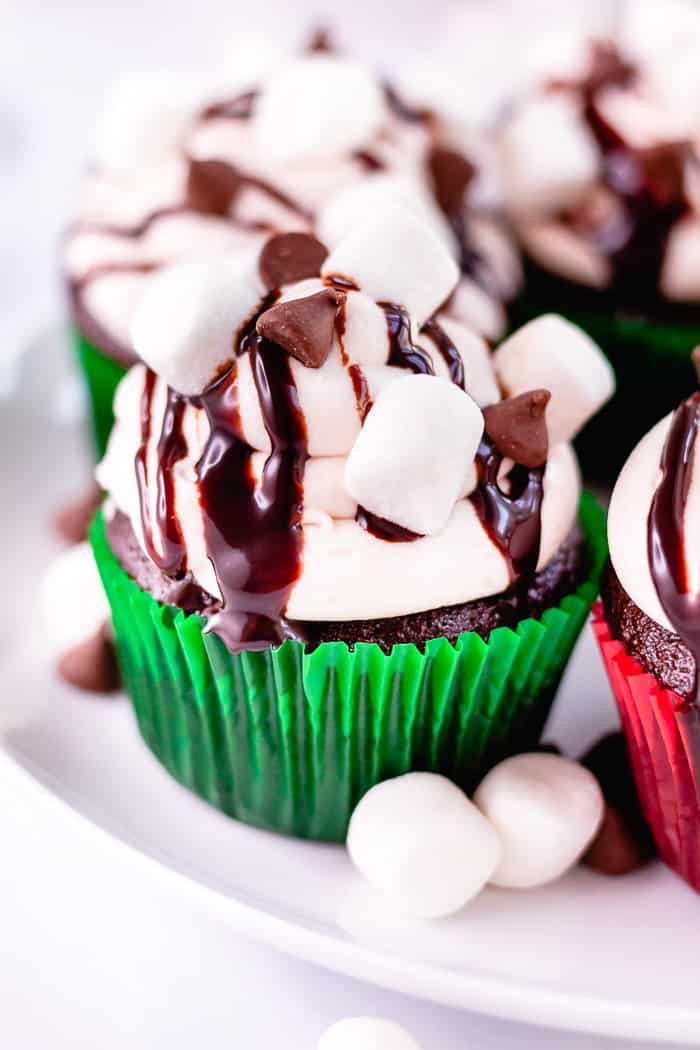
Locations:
{"points": [[212, 186], [303, 327], [518, 429], [288, 257], [451, 173]]}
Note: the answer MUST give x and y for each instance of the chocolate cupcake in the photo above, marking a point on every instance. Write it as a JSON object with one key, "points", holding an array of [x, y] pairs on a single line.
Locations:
{"points": [[318, 143], [332, 550], [601, 176], [649, 629]]}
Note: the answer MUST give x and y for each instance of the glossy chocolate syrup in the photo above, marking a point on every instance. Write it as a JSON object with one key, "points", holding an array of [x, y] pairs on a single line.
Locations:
{"points": [[447, 350], [253, 532], [666, 530], [512, 519], [384, 529], [647, 184], [403, 353], [162, 536], [240, 107]]}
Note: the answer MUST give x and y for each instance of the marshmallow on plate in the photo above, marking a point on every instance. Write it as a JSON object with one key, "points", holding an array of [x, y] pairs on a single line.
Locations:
{"points": [[317, 106], [366, 1033], [411, 457], [396, 258], [546, 810], [553, 354], [186, 324], [549, 157], [73, 605], [419, 840]]}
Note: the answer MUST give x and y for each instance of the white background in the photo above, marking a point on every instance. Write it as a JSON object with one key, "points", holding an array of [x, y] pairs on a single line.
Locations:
{"points": [[91, 954]]}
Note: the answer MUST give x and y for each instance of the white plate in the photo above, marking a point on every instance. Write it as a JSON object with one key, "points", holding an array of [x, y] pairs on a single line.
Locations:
{"points": [[592, 954]]}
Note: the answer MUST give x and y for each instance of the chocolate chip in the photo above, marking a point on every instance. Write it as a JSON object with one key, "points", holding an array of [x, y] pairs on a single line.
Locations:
{"points": [[518, 429], [72, 521], [288, 257], [212, 186], [451, 173], [92, 665], [303, 327], [320, 42], [624, 842], [696, 361]]}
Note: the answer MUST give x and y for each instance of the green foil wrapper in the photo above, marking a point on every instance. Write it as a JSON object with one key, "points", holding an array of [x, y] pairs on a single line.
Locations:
{"points": [[102, 375], [651, 361], [290, 741]]}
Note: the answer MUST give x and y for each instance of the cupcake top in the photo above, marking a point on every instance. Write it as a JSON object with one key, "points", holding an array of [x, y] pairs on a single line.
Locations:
{"points": [[317, 145], [654, 520], [601, 174], [312, 438]]}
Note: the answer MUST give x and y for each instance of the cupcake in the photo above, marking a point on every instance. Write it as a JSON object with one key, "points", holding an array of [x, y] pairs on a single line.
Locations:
{"points": [[333, 552], [648, 629], [601, 180], [316, 144]]}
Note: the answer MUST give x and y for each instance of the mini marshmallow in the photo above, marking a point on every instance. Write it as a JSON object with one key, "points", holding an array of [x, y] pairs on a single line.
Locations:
{"points": [[546, 810], [146, 120], [420, 841], [366, 1033], [680, 274], [352, 204], [553, 354], [549, 157], [186, 324], [474, 306], [396, 258], [317, 106], [72, 602], [366, 336], [410, 459]]}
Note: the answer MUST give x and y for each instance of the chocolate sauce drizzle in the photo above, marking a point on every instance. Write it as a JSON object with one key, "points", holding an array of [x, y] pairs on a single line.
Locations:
{"points": [[447, 350], [384, 529], [240, 107], [648, 184], [513, 519], [169, 554], [666, 530], [403, 353], [253, 532]]}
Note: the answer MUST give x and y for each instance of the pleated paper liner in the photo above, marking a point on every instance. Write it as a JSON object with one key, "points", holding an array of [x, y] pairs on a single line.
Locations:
{"points": [[102, 375], [651, 361], [290, 740], [663, 739]]}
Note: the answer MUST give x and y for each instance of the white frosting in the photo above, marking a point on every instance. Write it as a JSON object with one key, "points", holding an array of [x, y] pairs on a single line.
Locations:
{"points": [[346, 573], [301, 140], [421, 842], [628, 518], [546, 810]]}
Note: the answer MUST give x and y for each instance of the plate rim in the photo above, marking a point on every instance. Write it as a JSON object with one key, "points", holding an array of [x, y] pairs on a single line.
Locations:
{"points": [[503, 999]]}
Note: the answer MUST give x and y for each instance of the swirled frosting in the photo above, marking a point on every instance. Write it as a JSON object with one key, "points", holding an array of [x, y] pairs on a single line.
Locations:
{"points": [[318, 143], [601, 174], [335, 464]]}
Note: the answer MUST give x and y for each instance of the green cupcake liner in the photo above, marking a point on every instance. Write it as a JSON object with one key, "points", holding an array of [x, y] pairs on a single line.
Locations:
{"points": [[102, 375], [290, 741], [651, 361]]}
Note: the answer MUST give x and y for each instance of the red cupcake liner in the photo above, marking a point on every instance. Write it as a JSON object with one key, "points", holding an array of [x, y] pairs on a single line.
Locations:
{"points": [[663, 737]]}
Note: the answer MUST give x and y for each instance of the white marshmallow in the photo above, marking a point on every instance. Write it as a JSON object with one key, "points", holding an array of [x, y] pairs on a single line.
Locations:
{"points": [[186, 324], [397, 258], [560, 249], [73, 606], [680, 274], [317, 106], [420, 841], [546, 810], [366, 1033], [552, 353], [549, 157], [417, 422], [352, 205], [145, 120], [366, 336]]}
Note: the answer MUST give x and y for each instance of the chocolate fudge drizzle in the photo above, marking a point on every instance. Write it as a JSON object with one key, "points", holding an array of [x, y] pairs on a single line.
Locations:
{"points": [[169, 554], [513, 519], [666, 530], [403, 353], [253, 532], [447, 350], [647, 182]]}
